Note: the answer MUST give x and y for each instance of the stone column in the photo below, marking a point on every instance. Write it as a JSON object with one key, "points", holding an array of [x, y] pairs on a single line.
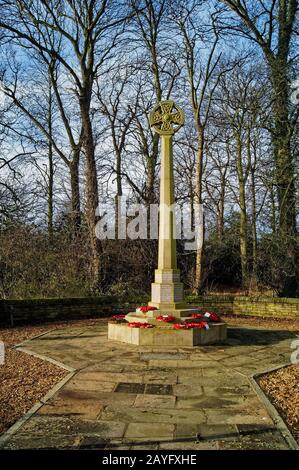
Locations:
{"points": [[167, 290]]}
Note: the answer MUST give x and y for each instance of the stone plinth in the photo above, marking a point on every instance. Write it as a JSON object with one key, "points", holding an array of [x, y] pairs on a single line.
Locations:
{"points": [[150, 317], [167, 335]]}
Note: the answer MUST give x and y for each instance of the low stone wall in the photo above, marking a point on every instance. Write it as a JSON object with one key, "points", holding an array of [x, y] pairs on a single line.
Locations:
{"points": [[36, 310], [253, 306]]}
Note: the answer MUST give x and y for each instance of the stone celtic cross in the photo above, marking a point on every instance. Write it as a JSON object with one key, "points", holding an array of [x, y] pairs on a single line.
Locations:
{"points": [[167, 290], [166, 118]]}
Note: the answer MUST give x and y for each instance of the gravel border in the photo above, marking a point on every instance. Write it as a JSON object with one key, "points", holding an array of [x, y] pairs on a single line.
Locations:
{"points": [[20, 422], [277, 418]]}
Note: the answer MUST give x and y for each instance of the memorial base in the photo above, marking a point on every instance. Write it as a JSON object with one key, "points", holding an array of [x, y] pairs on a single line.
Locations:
{"points": [[166, 335]]}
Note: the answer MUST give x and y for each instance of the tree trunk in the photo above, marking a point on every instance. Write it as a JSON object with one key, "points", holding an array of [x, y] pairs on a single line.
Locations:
{"points": [[243, 216], [220, 216], [285, 179], [285, 174], [191, 195], [272, 195], [252, 167], [253, 227], [198, 200], [50, 192], [91, 196], [119, 191], [282, 150], [75, 193], [51, 168]]}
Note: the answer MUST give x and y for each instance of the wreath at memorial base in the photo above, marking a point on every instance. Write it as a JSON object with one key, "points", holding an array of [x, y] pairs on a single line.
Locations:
{"points": [[213, 317], [145, 308], [190, 325], [208, 316], [166, 318], [197, 315], [136, 324]]}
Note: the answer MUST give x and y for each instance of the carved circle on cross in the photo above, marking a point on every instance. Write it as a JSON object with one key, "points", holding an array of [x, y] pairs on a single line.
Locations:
{"points": [[166, 118]]}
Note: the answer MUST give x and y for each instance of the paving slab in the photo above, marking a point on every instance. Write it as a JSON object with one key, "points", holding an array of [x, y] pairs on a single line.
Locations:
{"points": [[188, 445], [211, 402], [185, 390], [86, 385], [155, 401], [222, 391], [217, 431], [23, 441], [46, 425], [264, 441], [123, 396], [149, 432], [139, 415], [160, 376], [75, 407], [237, 416]]}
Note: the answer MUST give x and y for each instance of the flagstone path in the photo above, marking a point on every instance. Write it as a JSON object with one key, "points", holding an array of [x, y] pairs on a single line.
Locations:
{"points": [[127, 397]]}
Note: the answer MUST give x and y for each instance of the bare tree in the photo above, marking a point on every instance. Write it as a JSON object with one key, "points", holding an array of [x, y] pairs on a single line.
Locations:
{"points": [[43, 123], [272, 26], [160, 69], [90, 30], [216, 180], [118, 105], [240, 102], [203, 77]]}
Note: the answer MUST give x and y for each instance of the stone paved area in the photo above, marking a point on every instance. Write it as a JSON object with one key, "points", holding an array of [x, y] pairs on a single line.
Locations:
{"points": [[123, 396]]}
